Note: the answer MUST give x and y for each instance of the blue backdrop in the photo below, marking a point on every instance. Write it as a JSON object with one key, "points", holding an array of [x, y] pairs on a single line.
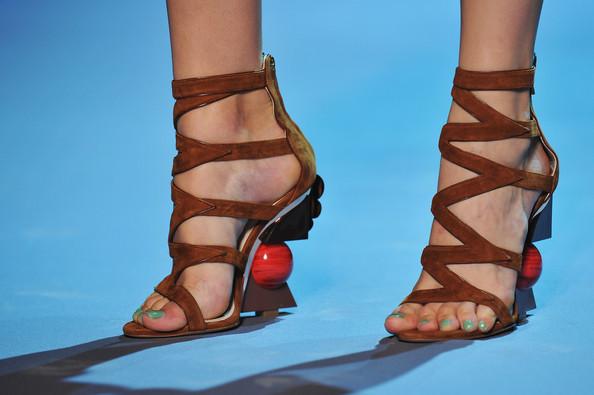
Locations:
{"points": [[86, 145]]}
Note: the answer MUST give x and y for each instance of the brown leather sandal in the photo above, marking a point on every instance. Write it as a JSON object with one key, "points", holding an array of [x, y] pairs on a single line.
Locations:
{"points": [[435, 259], [288, 218]]}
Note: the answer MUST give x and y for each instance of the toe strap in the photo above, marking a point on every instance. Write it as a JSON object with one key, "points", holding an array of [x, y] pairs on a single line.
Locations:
{"points": [[455, 288], [184, 299], [464, 294]]}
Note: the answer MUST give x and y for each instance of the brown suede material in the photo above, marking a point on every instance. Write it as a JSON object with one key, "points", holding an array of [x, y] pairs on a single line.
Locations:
{"points": [[187, 206], [192, 153], [475, 249], [193, 93], [494, 80], [186, 255], [218, 84], [184, 299], [183, 106]]}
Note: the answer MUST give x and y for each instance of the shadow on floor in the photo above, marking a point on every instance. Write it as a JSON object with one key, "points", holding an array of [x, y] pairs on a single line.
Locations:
{"points": [[49, 372]]}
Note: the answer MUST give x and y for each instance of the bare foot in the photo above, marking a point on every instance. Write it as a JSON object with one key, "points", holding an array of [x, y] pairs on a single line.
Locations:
{"points": [[239, 118]]}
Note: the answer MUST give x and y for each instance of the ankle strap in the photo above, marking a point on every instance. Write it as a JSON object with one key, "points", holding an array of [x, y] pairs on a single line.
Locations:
{"points": [[495, 80], [192, 93], [217, 84]]}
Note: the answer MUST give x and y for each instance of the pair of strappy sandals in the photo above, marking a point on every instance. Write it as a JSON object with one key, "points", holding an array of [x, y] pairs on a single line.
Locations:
{"points": [[197, 92]]}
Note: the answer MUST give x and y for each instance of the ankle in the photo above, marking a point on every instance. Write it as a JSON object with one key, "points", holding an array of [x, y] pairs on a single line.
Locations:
{"points": [[242, 117]]}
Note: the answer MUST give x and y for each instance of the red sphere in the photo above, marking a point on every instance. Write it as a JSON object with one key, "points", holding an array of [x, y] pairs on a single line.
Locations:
{"points": [[531, 268], [273, 264]]}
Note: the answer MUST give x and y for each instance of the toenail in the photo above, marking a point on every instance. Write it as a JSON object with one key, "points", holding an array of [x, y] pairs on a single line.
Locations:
{"points": [[424, 321], [398, 315], [138, 311], [482, 325], [468, 325], [154, 314], [444, 323]]}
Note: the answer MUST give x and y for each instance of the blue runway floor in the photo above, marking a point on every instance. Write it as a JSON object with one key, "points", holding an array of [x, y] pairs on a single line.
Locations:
{"points": [[86, 145]]}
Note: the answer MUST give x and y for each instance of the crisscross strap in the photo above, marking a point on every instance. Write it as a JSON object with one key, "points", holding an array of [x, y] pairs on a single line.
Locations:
{"points": [[186, 206], [184, 256], [474, 248], [192, 153], [191, 94]]}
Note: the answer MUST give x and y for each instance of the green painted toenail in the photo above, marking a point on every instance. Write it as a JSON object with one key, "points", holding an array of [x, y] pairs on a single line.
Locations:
{"points": [[138, 311], [424, 321], [482, 325], [154, 314], [468, 325], [398, 315], [444, 323]]}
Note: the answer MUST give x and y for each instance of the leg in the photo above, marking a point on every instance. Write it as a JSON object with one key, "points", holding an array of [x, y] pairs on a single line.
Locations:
{"points": [[211, 37], [495, 35]]}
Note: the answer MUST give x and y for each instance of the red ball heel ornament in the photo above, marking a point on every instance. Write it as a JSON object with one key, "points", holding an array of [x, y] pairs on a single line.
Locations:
{"points": [[272, 266], [531, 268]]}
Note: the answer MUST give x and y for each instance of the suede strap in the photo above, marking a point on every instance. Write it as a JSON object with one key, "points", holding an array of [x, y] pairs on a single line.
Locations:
{"points": [[192, 93], [192, 153], [494, 80], [184, 256]]}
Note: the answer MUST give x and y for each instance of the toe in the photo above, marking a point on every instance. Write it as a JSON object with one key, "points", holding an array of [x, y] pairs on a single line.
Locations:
{"points": [[446, 317], [403, 318], [148, 303], [486, 318], [136, 315], [169, 318], [427, 320], [467, 316], [159, 304]]}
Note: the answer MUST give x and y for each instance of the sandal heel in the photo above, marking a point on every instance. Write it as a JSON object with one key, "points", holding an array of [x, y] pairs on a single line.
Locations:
{"points": [[267, 290], [436, 259], [266, 302], [525, 302], [543, 224], [296, 224], [263, 290], [540, 229]]}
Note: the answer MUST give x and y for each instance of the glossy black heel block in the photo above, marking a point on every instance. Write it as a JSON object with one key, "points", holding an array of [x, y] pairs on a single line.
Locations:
{"points": [[296, 224], [543, 228]]}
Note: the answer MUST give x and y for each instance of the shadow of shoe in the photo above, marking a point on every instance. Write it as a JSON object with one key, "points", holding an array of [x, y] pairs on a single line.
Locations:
{"points": [[50, 372], [343, 374]]}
